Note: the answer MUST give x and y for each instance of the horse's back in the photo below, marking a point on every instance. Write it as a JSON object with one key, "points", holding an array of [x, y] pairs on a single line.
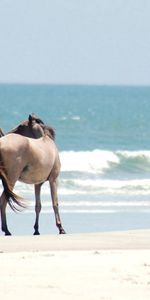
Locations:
{"points": [[13, 143], [12, 138]]}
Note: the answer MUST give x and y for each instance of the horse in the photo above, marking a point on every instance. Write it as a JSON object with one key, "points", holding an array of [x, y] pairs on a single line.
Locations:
{"points": [[11, 160]]}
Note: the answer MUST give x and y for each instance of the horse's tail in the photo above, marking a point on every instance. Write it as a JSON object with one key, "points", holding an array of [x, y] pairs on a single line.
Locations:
{"points": [[1, 132], [11, 197]]}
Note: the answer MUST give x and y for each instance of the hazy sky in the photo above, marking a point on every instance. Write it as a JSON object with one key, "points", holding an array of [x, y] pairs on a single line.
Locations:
{"points": [[75, 41]]}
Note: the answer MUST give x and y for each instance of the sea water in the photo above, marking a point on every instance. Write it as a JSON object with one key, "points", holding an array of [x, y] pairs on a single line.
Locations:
{"points": [[103, 137]]}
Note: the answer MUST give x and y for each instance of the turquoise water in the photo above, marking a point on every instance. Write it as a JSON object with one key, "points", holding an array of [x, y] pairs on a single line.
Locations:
{"points": [[85, 117], [103, 135]]}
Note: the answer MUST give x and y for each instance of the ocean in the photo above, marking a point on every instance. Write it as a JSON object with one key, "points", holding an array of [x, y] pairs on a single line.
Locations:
{"points": [[103, 137]]}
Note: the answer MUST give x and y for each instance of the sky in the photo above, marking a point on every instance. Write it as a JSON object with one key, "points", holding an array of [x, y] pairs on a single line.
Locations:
{"points": [[75, 41]]}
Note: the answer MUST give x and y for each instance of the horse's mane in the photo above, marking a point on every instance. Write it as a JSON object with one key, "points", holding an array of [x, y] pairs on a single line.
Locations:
{"points": [[49, 131]]}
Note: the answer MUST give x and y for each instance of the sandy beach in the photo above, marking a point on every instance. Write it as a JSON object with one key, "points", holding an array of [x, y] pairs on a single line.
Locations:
{"points": [[107, 266]]}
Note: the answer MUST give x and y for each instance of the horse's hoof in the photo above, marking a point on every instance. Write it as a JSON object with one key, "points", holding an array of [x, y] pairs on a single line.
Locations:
{"points": [[36, 233], [62, 231], [7, 233]]}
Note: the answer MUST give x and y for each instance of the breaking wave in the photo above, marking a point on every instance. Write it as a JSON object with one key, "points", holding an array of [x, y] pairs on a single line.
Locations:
{"points": [[99, 181], [101, 161]]}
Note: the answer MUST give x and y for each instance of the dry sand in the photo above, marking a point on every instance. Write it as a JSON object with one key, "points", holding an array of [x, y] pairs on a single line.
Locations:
{"points": [[100, 266]]}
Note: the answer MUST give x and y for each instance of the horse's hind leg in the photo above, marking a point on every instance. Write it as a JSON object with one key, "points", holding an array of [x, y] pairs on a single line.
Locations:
{"points": [[3, 204], [37, 188], [53, 186]]}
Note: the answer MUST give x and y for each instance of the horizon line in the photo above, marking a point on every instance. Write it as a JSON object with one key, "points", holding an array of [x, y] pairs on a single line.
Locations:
{"points": [[77, 84]]}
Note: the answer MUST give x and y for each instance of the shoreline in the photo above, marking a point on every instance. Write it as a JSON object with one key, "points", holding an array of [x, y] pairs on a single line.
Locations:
{"points": [[22, 223], [132, 239]]}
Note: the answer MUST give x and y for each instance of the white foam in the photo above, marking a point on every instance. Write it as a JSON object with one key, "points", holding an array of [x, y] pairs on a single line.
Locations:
{"points": [[87, 161]]}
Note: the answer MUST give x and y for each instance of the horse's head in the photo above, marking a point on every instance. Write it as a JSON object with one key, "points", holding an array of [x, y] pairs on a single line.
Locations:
{"points": [[34, 128], [39, 128], [33, 118]]}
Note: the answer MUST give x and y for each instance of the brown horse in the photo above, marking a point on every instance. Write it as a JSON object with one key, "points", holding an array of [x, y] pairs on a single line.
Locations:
{"points": [[31, 167]]}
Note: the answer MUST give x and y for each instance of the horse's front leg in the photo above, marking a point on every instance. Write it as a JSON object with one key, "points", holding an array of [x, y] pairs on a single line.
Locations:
{"points": [[3, 204], [38, 206], [53, 186]]}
